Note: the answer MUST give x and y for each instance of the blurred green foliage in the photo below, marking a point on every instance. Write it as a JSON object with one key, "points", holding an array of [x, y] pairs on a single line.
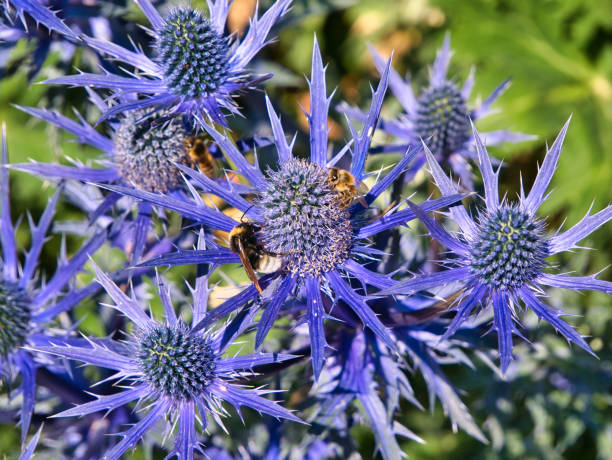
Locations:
{"points": [[557, 401]]}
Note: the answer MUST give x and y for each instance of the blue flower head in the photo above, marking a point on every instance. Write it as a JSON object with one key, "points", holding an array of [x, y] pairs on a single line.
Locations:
{"points": [[196, 69], [175, 370], [135, 154], [501, 255], [26, 305], [139, 153], [440, 115], [299, 218]]}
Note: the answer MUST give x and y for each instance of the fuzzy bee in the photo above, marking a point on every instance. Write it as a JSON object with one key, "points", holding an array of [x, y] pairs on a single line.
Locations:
{"points": [[197, 149], [254, 257], [347, 187]]}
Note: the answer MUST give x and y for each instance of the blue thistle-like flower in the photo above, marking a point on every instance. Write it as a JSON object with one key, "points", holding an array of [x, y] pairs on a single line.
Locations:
{"points": [[196, 68], [501, 256], [26, 306], [173, 368], [509, 249], [138, 155], [298, 193], [440, 115], [301, 219], [146, 155], [15, 318], [141, 154], [186, 38]]}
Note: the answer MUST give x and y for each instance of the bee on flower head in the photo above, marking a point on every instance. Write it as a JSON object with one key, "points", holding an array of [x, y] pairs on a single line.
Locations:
{"points": [[347, 187], [253, 255], [199, 153]]}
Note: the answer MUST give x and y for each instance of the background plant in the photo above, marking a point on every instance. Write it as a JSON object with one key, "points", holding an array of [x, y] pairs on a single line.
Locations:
{"points": [[555, 404]]}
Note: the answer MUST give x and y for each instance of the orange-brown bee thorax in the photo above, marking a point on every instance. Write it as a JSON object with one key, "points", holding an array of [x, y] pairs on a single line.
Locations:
{"points": [[197, 149], [345, 186]]}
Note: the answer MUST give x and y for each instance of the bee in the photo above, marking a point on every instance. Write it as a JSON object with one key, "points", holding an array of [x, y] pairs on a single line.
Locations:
{"points": [[254, 257], [347, 187], [197, 149]]}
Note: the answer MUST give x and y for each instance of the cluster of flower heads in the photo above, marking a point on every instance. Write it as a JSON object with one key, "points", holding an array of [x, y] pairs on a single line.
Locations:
{"points": [[311, 230]]}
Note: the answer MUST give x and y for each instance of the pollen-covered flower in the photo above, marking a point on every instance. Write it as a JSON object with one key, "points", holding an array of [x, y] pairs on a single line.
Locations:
{"points": [[196, 68], [301, 229], [26, 304], [440, 115], [172, 369], [501, 256]]}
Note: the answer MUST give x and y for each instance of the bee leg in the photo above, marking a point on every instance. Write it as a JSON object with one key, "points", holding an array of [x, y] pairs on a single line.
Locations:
{"points": [[246, 263], [363, 202], [257, 286]]}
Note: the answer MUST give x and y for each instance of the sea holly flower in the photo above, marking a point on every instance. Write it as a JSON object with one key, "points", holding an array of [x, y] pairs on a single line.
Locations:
{"points": [[501, 255], [172, 369], [26, 304], [299, 217], [140, 154], [440, 115], [196, 69], [136, 154]]}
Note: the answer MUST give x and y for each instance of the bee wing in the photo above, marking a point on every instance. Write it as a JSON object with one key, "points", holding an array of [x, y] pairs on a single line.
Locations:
{"points": [[248, 267], [362, 188]]}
